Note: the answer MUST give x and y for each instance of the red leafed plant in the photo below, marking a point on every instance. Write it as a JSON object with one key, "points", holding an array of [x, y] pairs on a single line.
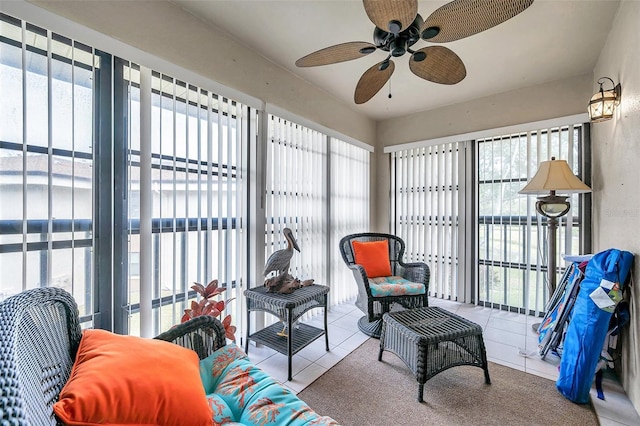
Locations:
{"points": [[209, 306]]}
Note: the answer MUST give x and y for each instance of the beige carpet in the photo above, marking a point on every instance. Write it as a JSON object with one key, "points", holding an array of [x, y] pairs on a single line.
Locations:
{"points": [[362, 391]]}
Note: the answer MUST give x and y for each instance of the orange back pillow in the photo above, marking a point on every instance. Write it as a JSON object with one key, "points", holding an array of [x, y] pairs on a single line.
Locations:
{"points": [[119, 380], [373, 256]]}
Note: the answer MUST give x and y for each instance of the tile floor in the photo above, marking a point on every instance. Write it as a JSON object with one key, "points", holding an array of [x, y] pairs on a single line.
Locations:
{"points": [[508, 337]]}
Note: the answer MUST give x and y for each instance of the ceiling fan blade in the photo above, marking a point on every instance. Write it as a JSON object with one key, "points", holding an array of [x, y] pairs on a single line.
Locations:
{"points": [[338, 53], [391, 15], [372, 81], [463, 18], [440, 65]]}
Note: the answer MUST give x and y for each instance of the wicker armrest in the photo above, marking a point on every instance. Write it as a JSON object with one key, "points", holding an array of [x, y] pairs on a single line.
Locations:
{"points": [[416, 272], [204, 334], [361, 276]]}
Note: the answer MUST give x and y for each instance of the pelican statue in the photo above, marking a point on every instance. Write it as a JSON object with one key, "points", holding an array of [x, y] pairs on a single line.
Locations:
{"points": [[279, 260]]}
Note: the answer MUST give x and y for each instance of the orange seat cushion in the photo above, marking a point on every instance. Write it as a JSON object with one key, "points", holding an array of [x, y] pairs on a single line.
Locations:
{"points": [[125, 380], [373, 256]]}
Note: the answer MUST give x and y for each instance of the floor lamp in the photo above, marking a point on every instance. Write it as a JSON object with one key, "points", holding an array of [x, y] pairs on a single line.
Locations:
{"points": [[553, 177]]}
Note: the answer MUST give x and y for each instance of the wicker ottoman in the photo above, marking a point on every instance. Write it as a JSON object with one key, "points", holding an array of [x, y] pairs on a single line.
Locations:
{"points": [[430, 340]]}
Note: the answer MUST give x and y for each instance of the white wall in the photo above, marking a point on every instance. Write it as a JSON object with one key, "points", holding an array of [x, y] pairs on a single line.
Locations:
{"points": [[616, 171]]}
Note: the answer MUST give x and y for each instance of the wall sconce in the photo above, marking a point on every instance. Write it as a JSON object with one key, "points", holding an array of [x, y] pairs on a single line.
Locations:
{"points": [[603, 104], [553, 176]]}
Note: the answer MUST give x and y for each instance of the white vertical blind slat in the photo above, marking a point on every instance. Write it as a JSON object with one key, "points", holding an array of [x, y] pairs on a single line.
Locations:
{"points": [[295, 192], [424, 198]]}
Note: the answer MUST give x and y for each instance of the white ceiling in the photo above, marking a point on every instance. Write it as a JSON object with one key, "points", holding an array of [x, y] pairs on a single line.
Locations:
{"points": [[551, 40]]}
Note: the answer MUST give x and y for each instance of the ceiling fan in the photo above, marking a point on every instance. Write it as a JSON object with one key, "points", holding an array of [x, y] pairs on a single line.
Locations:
{"points": [[399, 26]]}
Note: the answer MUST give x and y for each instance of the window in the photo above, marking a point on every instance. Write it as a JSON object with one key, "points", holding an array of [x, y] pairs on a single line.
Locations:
{"points": [[47, 111], [296, 187], [318, 186], [457, 207], [197, 144], [512, 238], [349, 199], [428, 213], [125, 185]]}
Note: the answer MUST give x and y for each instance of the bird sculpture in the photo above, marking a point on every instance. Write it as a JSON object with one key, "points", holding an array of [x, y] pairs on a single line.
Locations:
{"points": [[279, 260]]}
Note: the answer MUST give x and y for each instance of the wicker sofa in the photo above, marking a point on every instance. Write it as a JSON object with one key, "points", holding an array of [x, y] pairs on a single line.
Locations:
{"points": [[40, 337]]}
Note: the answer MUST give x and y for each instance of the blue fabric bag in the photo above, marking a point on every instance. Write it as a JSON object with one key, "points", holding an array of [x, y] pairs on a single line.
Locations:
{"points": [[600, 291]]}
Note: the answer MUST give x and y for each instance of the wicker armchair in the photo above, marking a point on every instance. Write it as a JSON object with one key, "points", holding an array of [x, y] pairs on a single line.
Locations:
{"points": [[39, 337], [375, 306]]}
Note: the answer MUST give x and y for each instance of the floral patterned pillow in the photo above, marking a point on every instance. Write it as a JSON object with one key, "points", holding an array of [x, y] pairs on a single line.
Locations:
{"points": [[252, 397]]}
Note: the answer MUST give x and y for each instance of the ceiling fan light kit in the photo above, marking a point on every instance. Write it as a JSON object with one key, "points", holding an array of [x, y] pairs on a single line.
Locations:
{"points": [[399, 26]]}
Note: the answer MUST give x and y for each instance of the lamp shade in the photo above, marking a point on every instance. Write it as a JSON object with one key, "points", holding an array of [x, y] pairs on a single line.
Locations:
{"points": [[554, 175]]}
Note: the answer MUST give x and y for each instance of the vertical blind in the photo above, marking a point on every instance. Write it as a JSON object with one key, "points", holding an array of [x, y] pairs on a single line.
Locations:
{"points": [[295, 195], [512, 237], [198, 142], [318, 186], [349, 199], [46, 160], [427, 202], [67, 163], [463, 216]]}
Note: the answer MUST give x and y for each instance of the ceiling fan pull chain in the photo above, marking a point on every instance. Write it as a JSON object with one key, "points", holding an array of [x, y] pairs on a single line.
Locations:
{"points": [[389, 88]]}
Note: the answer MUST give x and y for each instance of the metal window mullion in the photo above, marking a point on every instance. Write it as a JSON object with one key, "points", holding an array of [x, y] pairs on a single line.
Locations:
{"points": [[177, 256], [492, 224], [200, 255], [25, 122], [540, 257], [569, 218], [219, 142], [527, 231], [242, 202], [230, 260], [147, 247], [208, 255], [73, 170], [49, 164], [187, 215]]}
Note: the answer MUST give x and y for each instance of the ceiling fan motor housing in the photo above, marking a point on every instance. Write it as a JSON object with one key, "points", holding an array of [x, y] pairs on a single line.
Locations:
{"points": [[397, 44]]}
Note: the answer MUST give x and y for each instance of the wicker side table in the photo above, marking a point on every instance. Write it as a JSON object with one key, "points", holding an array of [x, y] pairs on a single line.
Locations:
{"points": [[430, 340], [287, 307]]}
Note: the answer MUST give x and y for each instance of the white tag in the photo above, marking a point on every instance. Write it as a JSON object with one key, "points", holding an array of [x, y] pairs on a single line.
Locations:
{"points": [[606, 284], [602, 300]]}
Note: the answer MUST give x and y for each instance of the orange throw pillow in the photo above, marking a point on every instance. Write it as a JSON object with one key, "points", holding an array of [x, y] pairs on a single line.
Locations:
{"points": [[373, 256], [124, 380]]}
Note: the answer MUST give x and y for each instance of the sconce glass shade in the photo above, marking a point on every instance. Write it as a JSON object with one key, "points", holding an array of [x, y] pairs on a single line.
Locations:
{"points": [[554, 175], [603, 104]]}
